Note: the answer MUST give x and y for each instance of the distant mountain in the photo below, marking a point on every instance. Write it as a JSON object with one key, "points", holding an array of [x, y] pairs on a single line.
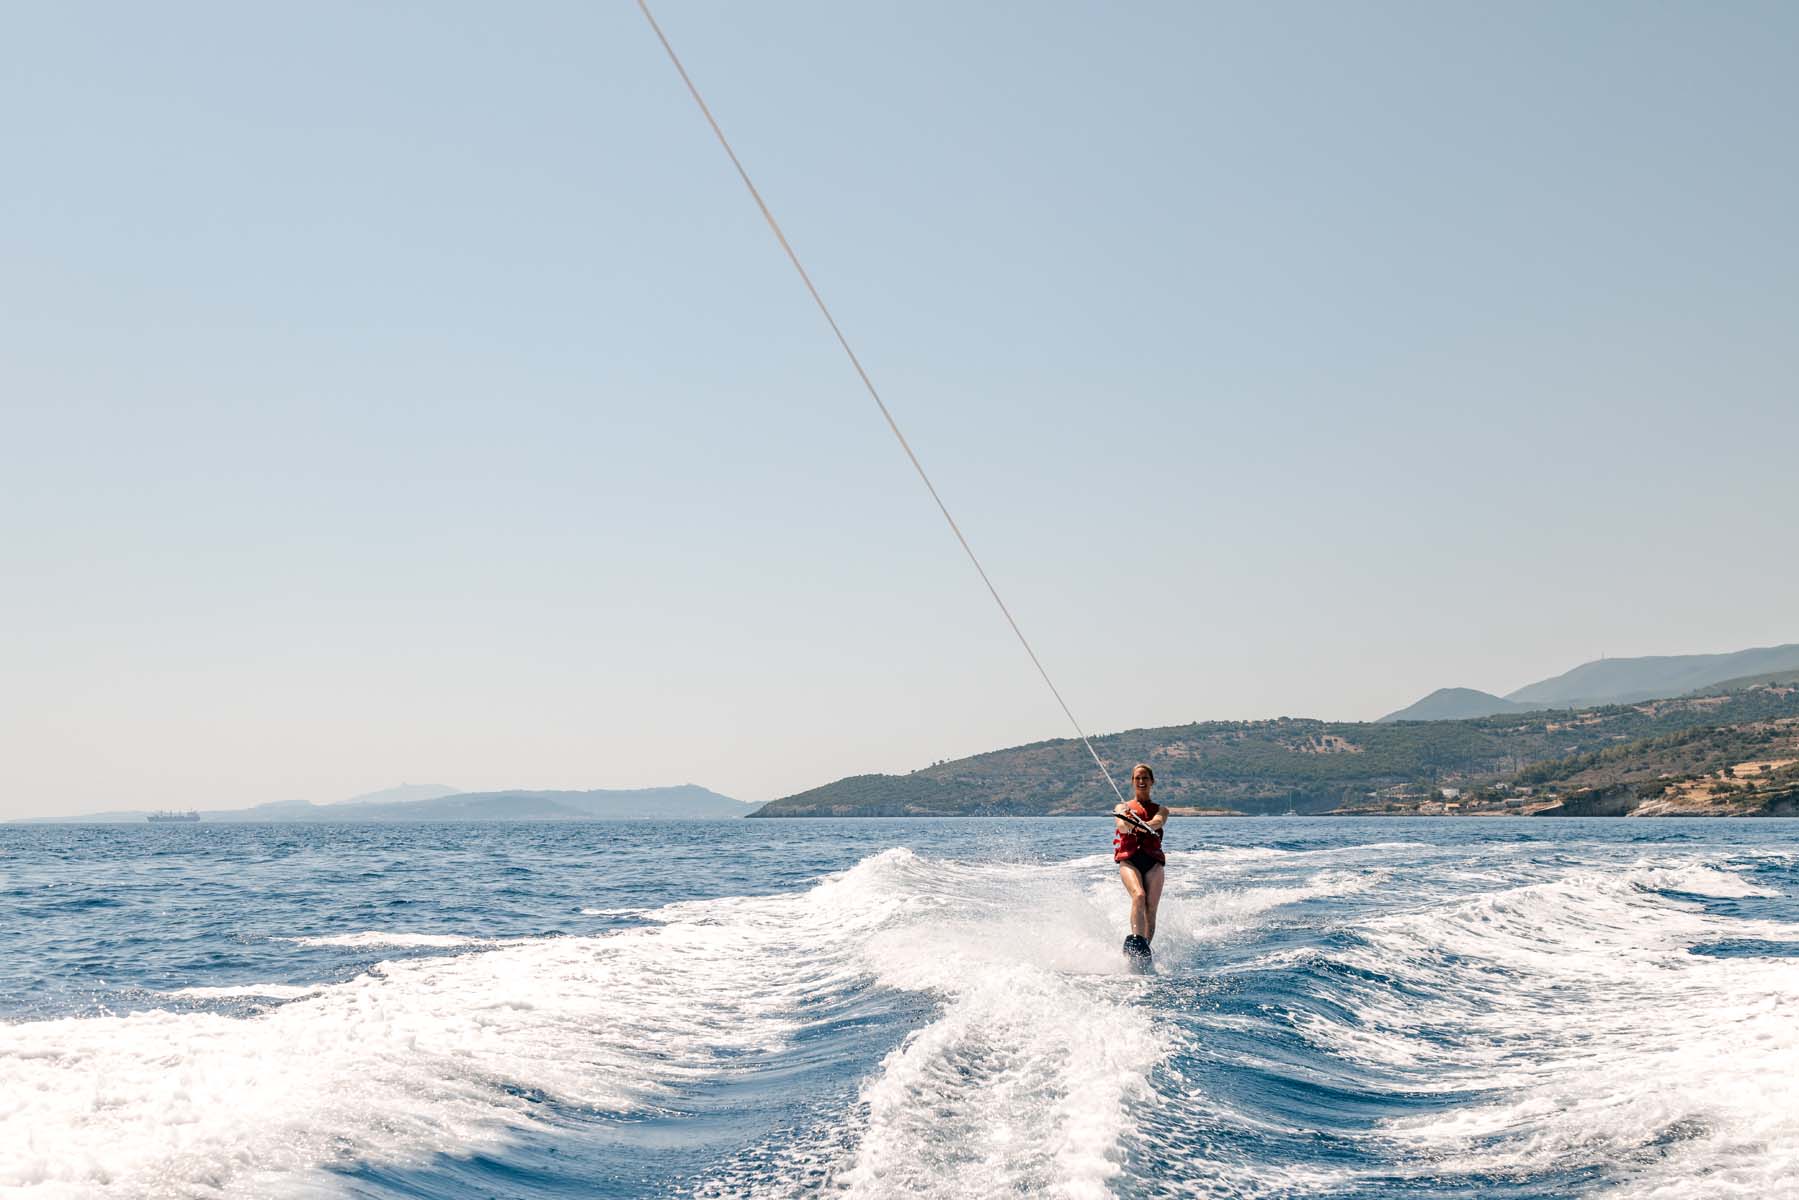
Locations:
{"points": [[403, 794], [463, 806], [689, 801], [1455, 704], [1786, 678], [686, 802], [1626, 680], [1610, 681]]}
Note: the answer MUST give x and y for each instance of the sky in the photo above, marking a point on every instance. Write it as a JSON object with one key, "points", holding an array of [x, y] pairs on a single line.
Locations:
{"points": [[412, 393]]}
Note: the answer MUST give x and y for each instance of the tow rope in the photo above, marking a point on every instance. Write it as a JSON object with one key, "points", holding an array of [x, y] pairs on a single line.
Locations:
{"points": [[775, 228]]}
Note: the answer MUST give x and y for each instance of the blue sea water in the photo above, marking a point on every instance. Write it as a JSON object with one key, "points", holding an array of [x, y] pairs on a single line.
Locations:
{"points": [[1341, 1008]]}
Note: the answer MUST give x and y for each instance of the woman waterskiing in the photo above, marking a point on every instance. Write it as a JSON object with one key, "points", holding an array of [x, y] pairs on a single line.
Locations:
{"points": [[1137, 849]]}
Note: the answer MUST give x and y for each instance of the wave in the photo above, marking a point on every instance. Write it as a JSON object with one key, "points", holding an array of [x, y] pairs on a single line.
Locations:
{"points": [[464, 1053], [1466, 1021], [253, 991], [1027, 1079], [1592, 1042], [375, 937]]}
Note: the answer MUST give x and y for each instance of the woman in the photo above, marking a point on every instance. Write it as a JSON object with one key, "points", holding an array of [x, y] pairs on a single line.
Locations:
{"points": [[1139, 857]]}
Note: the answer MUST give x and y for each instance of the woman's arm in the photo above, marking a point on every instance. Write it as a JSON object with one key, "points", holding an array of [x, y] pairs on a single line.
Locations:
{"points": [[1160, 819]]}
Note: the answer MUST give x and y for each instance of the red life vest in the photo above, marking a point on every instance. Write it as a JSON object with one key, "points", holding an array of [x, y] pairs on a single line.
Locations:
{"points": [[1133, 842]]}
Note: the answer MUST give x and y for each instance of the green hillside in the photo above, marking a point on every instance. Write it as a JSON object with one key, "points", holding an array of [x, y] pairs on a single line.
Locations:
{"points": [[1454, 704], [1271, 766], [1786, 678], [1748, 769]]}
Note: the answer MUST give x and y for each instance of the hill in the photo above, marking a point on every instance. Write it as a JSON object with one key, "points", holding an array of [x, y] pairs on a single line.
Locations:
{"points": [[1774, 678], [1744, 770], [403, 793], [1624, 680], [1271, 766], [688, 802], [1454, 704]]}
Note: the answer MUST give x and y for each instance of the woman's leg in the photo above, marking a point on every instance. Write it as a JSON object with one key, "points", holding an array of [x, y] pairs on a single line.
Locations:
{"points": [[1152, 888], [1133, 883]]}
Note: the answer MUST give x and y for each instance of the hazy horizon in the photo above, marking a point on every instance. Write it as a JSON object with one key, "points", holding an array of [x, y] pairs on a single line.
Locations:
{"points": [[431, 402], [385, 792]]}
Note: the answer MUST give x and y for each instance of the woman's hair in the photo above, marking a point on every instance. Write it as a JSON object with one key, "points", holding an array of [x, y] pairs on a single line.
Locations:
{"points": [[1146, 769]]}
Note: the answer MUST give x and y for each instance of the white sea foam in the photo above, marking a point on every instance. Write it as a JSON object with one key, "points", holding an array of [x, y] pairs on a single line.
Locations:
{"points": [[415, 1057], [1570, 1005], [377, 938], [450, 1054], [261, 991], [1023, 1083], [1597, 1039], [1033, 1075]]}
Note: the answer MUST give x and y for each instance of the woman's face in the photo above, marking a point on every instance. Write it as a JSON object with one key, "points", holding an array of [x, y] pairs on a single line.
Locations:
{"points": [[1141, 780]]}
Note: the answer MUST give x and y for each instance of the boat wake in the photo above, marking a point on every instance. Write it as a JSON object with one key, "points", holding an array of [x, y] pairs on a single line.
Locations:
{"points": [[1364, 1020]]}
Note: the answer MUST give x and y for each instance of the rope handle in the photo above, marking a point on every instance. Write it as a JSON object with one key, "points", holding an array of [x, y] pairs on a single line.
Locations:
{"points": [[1142, 826]]}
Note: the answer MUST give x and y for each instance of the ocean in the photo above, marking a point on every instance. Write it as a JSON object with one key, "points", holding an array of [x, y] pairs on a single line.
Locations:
{"points": [[923, 1008]]}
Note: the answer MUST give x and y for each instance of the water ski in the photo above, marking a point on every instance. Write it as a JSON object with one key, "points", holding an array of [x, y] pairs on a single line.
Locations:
{"points": [[1137, 954]]}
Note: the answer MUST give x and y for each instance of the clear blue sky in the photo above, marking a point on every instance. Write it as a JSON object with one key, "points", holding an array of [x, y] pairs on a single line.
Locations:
{"points": [[410, 392]]}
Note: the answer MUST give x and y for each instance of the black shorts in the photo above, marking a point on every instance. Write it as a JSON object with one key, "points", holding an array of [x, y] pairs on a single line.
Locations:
{"points": [[1143, 862]]}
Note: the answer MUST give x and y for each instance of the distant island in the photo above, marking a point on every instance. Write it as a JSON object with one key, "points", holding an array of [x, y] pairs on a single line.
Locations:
{"points": [[430, 802], [1728, 748]]}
